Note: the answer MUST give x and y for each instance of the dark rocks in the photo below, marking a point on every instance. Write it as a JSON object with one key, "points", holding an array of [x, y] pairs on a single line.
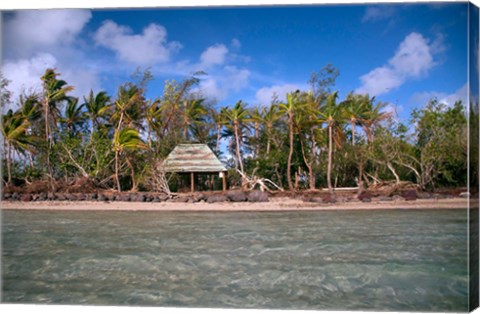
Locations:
{"points": [[15, 196], [26, 197], [91, 196], [328, 199], [180, 199], [365, 195], [216, 199], [102, 198], [236, 196], [137, 197], [198, 197], [410, 195], [123, 198], [51, 196], [366, 200], [257, 196], [424, 195]]}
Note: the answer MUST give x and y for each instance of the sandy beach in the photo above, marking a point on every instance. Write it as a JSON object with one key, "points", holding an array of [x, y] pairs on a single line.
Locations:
{"points": [[275, 204]]}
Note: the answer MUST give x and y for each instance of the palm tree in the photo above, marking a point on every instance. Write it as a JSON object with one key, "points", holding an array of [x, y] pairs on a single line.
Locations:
{"points": [[153, 117], [126, 139], [373, 116], [126, 115], [219, 119], [14, 131], [290, 109], [256, 116], [355, 109], [331, 114], [54, 92], [97, 109], [74, 116], [270, 117], [192, 114], [237, 117]]}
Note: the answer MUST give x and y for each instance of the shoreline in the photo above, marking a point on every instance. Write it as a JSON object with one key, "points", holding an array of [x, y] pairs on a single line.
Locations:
{"points": [[274, 205]]}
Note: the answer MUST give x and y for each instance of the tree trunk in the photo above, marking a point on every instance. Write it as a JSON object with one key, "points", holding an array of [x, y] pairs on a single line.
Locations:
{"points": [[132, 174], [185, 132], [397, 178], [353, 133], [309, 166], [330, 151], [237, 140], [116, 172], [8, 160], [290, 154], [313, 159], [219, 128], [257, 136]]}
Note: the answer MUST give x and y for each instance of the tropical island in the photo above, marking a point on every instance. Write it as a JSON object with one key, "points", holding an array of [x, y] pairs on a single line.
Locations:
{"points": [[314, 147]]}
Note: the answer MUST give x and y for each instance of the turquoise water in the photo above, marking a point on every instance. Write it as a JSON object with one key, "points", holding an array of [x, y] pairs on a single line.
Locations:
{"points": [[331, 260]]}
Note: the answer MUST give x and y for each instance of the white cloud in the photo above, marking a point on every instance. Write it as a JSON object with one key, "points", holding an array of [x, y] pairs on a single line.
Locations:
{"points": [[448, 99], [236, 43], [378, 13], [413, 59], [209, 88], [229, 80], [40, 39], [142, 49], [35, 30], [236, 78], [24, 74], [264, 95], [213, 55]]}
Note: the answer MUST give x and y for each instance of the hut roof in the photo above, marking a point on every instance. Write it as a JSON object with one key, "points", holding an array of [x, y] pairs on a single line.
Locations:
{"points": [[192, 158]]}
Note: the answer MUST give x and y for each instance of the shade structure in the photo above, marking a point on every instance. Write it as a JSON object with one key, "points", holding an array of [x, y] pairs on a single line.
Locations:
{"points": [[194, 158]]}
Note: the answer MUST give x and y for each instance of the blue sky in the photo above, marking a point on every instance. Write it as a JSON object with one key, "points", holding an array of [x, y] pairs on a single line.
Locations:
{"points": [[404, 54]]}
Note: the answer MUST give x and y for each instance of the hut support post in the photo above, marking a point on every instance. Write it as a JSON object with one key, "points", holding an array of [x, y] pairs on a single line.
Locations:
{"points": [[192, 182], [224, 182]]}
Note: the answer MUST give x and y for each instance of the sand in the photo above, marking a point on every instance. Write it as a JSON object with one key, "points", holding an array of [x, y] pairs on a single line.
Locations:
{"points": [[275, 204]]}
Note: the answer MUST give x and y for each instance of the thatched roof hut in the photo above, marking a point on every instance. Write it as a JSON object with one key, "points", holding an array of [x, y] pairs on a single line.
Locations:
{"points": [[194, 158]]}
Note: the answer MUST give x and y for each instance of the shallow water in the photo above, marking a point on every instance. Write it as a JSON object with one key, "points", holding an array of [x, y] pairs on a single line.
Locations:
{"points": [[345, 260]]}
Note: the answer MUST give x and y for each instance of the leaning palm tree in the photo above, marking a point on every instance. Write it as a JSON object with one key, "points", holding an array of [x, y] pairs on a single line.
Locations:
{"points": [[54, 92], [332, 115], [237, 116], [127, 139], [15, 137]]}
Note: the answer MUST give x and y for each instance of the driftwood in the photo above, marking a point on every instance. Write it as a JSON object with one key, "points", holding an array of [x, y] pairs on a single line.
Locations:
{"points": [[158, 180], [251, 182]]}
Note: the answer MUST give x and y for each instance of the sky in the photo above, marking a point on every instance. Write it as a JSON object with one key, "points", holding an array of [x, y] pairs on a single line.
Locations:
{"points": [[403, 54]]}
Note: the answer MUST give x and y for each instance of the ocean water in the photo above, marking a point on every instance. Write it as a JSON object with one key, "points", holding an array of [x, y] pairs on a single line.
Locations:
{"points": [[400, 260]]}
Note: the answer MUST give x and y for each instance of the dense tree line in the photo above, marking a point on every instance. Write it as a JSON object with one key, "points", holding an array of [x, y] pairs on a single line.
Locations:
{"points": [[310, 141]]}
